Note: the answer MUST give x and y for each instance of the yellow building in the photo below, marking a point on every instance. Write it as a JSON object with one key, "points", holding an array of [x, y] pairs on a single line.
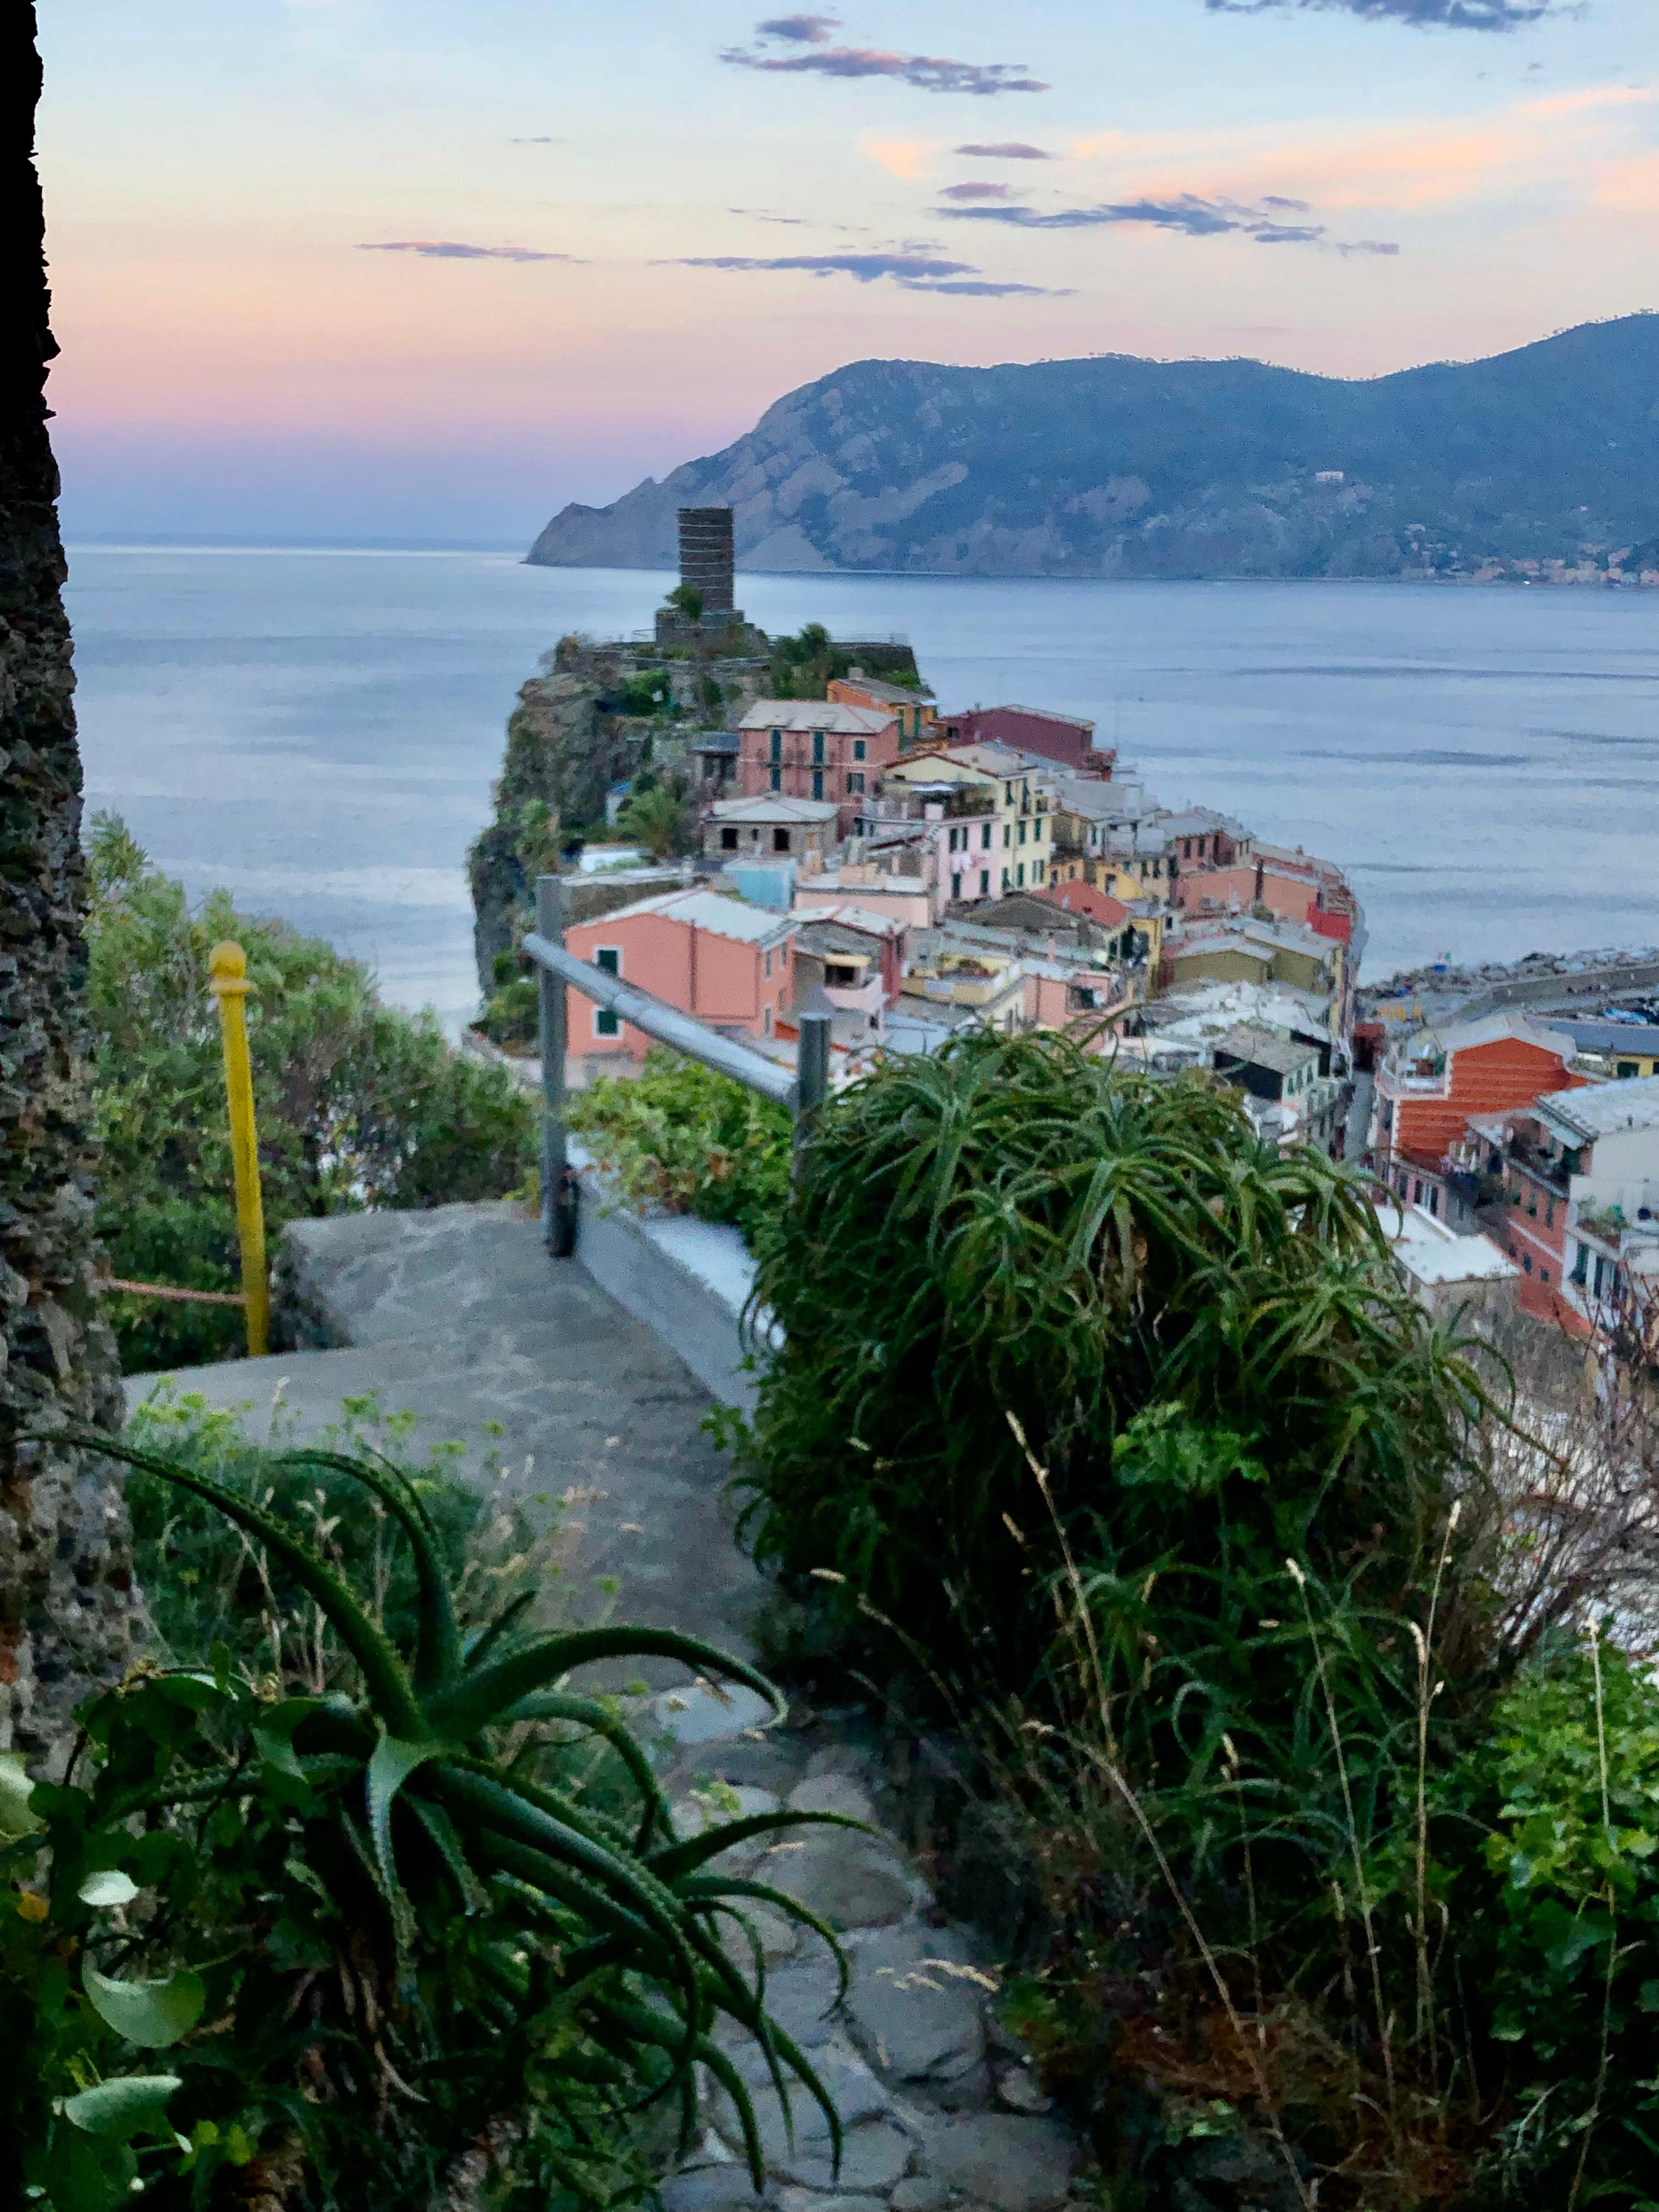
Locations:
{"points": [[1023, 804]]}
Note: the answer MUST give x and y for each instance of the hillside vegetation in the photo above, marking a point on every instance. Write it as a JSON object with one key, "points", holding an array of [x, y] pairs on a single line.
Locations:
{"points": [[1114, 466]]}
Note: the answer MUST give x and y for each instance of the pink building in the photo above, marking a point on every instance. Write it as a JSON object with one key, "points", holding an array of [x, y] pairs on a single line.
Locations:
{"points": [[822, 749], [730, 964], [1293, 886]]}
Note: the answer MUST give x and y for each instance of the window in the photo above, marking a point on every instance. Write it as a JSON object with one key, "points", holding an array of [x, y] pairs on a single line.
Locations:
{"points": [[769, 967], [1008, 794], [1549, 1214], [955, 885], [858, 749], [1005, 879], [985, 882], [1626, 1067], [855, 783], [1022, 830], [777, 779], [766, 1018], [817, 748], [780, 840], [1019, 876], [609, 957], [1186, 848], [1526, 1263], [1007, 837], [817, 783], [984, 838], [728, 840], [777, 744], [1543, 1274], [1581, 1263]]}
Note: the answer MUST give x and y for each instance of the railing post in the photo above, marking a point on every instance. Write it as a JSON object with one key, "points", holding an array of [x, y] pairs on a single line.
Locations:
{"points": [[812, 1071], [558, 1191], [227, 971]]}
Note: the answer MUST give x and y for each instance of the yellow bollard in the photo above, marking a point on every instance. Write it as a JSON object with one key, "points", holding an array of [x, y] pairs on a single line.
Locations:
{"points": [[228, 967]]}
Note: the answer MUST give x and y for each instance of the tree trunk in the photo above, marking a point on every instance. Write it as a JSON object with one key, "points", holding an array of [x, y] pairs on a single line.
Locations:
{"points": [[67, 1612]]}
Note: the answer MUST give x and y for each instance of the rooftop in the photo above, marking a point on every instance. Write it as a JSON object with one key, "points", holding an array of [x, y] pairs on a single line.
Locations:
{"points": [[1084, 899], [1603, 1109], [857, 918], [1608, 1036], [773, 806], [1426, 1249], [1265, 1047], [815, 714], [707, 910], [1037, 714]]}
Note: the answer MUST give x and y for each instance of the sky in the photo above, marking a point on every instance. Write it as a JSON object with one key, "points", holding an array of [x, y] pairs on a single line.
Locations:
{"points": [[422, 271]]}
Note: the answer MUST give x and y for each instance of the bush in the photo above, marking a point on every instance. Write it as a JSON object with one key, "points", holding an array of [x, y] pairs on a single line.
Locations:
{"points": [[357, 1104], [1114, 1434], [679, 1139], [395, 1946], [1204, 1344], [1569, 1782]]}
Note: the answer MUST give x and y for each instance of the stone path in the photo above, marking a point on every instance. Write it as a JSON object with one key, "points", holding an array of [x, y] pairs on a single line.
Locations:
{"points": [[939, 2103], [459, 1316]]}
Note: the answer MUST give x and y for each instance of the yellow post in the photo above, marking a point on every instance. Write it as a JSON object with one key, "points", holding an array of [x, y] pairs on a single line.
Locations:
{"points": [[227, 966]]}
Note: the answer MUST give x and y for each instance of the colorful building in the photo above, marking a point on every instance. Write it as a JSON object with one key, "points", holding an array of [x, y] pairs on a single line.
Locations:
{"points": [[1572, 1179], [1022, 808], [1433, 1082], [916, 717], [1067, 740], [771, 828], [817, 749], [729, 963]]}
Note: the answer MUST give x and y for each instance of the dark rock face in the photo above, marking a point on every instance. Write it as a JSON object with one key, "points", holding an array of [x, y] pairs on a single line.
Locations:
{"points": [[1119, 467], [67, 1610]]}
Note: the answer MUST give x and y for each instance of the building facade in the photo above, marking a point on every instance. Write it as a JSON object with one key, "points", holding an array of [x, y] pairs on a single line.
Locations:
{"points": [[729, 963], [816, 749]]}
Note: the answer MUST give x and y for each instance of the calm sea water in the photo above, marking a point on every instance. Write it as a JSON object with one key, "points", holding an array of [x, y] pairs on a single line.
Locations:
{"points": [[317, 730]]}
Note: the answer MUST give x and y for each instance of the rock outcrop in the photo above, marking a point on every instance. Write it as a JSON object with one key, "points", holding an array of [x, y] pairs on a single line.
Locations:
{"points": [[67, 1610]]}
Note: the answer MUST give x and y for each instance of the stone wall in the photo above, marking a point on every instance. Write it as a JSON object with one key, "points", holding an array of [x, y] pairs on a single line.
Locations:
{"points": [[67, 1611]]}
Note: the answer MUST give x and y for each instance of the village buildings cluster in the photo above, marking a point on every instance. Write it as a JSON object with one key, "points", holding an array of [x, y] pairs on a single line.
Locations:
{"points": [[918, 872], [1525, 1142]]}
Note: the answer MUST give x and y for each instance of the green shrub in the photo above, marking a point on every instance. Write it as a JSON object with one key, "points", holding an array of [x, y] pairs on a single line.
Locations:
{"points": [[380, 1945], [357, 1104], [1568, 1781], [680, 1138], [1204, 1344]]}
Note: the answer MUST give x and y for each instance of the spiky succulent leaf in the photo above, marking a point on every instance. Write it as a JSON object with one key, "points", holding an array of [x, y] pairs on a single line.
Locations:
{"points": [[487, 1692], [385, 1679], [438, 1648]]}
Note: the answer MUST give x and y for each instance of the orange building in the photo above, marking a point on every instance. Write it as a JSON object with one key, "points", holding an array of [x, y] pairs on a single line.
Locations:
{"points": [[1434, 1081], [914, 715]]}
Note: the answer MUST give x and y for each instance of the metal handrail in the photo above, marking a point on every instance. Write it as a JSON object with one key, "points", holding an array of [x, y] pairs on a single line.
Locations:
{"points": [[560, 970]]}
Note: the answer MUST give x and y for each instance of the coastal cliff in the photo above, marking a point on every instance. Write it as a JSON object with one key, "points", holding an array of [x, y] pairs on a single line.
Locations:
{"points": [[1542, 462]]}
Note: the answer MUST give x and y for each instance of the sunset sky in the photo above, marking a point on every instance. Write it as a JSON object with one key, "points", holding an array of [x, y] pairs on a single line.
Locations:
{"points": [[343, 269]]}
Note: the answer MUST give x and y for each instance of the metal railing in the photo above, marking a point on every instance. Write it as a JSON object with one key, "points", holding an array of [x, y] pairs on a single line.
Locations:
{"points": [[560, 972]]}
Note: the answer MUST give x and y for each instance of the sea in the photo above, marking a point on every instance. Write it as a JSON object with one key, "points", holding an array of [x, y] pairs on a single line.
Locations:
{"points": [[317, 730]]}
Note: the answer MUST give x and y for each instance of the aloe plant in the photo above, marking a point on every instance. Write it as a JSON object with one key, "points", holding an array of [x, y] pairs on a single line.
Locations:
{"points": [[377, 1930]]}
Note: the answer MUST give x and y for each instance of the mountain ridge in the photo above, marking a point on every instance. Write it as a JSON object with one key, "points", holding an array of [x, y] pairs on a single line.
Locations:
{"points": [[1115, 466]]}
